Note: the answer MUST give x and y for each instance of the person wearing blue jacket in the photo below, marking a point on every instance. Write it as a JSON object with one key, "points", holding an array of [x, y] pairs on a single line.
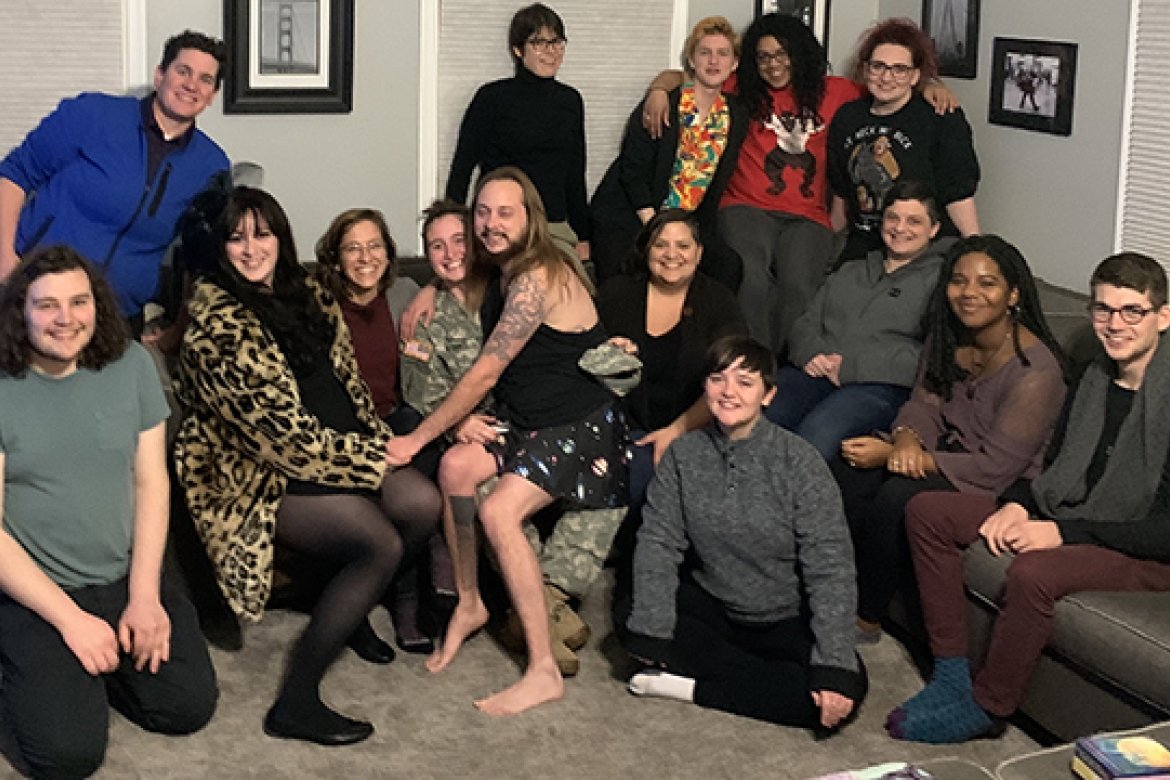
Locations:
{"points": [[111, 175]]}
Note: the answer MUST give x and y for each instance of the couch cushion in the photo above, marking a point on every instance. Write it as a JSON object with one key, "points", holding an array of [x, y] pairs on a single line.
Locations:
{"points": [[1123, 638]]}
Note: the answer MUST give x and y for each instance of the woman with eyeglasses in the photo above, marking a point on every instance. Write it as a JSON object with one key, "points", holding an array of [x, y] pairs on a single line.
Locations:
{"points": [[534, 122], [893, 133], [357, 262]]}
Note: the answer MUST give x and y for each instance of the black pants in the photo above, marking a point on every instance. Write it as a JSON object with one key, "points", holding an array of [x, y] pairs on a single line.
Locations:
{"points": [[60, 713], [759, 671], [875, 506]]}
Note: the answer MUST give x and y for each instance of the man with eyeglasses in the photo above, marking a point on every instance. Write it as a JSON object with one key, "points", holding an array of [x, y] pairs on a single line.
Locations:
{"points": [[892, 134], [534, 122], [1096, 519], [111, 175]]}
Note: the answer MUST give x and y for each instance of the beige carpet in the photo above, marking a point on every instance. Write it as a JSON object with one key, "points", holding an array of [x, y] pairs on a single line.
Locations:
{"points": [[427, 728]]}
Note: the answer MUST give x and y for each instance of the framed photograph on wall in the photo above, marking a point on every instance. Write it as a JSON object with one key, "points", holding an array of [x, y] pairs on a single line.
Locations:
{"points": [[1033, 84], [814, 13], [953, 25], [288, 56]]}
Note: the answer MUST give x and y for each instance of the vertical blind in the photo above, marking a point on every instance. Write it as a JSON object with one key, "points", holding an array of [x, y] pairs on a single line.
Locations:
{"points": [[1143, 205], [615, 48], [51, 49]]}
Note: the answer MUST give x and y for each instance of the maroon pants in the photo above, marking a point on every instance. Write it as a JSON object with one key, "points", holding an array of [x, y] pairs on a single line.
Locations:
{"points": [[941, 525]]}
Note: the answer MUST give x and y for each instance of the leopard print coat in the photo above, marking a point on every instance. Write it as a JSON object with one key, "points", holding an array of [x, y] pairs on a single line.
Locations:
{"points": [[245, 433]]}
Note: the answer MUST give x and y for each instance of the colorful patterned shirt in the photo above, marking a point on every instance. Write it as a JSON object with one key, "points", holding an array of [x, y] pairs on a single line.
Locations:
{"points": [[700, 145]]}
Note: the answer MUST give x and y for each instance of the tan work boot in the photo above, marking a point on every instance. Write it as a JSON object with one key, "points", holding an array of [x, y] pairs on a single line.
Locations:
{"points": [[511, 636], [567, 660], [565, 624]]}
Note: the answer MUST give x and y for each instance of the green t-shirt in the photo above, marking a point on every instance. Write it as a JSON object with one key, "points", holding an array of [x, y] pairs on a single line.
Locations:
{"points": [[69, 447]]}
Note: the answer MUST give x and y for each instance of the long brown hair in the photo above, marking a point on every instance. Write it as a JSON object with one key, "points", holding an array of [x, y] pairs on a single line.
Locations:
{"points": [[328, 251], [110, 333]]}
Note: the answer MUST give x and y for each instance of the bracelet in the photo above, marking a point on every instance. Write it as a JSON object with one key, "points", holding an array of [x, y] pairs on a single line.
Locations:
{"points": [[907, 429]]}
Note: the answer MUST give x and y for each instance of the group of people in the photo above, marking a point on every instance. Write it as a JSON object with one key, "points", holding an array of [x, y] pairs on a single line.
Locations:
{"points": [[766, 451]]}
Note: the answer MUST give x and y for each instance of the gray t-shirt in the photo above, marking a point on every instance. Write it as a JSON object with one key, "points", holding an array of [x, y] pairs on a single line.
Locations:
{"points": [[69, 447]]}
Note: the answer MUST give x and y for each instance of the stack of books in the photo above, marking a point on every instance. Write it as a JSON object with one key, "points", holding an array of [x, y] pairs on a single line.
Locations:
{"points": [[1121, 758]]}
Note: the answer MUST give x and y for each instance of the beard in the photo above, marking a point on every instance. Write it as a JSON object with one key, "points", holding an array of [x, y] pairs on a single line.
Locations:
{"points": [[498, 259]]}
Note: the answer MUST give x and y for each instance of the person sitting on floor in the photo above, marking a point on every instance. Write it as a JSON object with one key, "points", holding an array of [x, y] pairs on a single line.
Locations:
{"points": [[281, 444], [855, 350], [85, 618], [979, 416], [758, 622], [1097, 518]]}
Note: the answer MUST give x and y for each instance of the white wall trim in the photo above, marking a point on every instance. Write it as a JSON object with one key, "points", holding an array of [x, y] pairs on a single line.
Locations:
{"points": [[428, 108], [1126, 123], [135, 64], [680, 27]]}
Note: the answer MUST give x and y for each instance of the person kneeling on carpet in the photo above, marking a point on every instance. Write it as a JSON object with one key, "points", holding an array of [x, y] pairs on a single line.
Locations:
{"points": [[762, 621]]}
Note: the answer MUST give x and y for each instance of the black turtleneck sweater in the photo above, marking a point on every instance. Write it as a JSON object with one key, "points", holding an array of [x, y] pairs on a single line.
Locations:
{"points": [[536, 124]]}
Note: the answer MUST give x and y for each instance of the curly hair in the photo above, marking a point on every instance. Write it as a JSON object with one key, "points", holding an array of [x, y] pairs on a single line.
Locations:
{"points": [[945, 333], [898, 32], [110, 332], [808, 63], [328, 250], [289, 310], [711, 25], [538, 249]]}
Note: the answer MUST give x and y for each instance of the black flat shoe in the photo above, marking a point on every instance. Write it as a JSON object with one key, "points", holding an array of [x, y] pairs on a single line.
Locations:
{"points": [[334, 729], [423, 646], [369, 646]]}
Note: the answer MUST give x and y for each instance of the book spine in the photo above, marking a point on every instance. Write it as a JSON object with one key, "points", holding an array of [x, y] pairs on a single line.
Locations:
{"points": [[1083, 770], [1090, 759]]}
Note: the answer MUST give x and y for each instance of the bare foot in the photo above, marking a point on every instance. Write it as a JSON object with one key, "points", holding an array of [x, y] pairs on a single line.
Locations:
{"points": [[464, 622], [537, 686]]}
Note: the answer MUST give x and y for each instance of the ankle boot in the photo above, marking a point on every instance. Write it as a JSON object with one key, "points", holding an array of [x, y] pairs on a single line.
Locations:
{"points": [[565, 624]]}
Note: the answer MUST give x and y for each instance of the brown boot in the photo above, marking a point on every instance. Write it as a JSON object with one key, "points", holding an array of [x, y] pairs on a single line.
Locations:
{"points": [[567, 660], [565, 624], [511, 636]]}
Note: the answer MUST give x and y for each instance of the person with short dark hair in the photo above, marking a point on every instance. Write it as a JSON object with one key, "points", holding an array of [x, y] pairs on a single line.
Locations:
{"points": [[892, 134], [854, 352], [743, 571], [86, 619], [534, 122], [1096, 519], [111, 175]]}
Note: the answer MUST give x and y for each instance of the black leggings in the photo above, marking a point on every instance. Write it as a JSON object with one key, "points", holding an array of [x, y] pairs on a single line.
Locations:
{"points": [[363, 540]]}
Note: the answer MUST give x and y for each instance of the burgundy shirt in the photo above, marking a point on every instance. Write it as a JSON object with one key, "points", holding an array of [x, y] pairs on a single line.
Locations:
{"points": [[375, 342]]}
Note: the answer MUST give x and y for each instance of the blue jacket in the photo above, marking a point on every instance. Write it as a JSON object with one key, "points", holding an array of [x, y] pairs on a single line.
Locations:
{"points": [[84, 171]]}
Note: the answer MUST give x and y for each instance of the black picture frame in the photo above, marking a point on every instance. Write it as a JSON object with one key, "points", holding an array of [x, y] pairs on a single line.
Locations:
{"points": [[953, 25], [1033, 84], [288, 56], [814, 13]]}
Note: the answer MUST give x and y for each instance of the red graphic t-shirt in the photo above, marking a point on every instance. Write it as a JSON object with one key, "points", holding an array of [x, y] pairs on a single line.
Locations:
{"points": [[782, 163]]}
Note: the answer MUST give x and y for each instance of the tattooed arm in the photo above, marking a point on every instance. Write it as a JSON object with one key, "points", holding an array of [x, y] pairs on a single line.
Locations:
{"points": [[524, 311]]}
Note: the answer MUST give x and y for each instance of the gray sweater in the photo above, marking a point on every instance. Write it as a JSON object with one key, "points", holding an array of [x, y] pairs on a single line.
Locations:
{"points": [[871, 318], [763, 516]]}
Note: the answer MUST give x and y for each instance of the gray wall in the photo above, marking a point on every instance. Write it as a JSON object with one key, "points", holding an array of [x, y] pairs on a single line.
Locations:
{"points": [[319, 165], [1052, 196]]}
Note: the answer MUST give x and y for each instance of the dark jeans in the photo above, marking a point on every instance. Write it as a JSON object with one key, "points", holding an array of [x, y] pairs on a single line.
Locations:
{"points": [[875, 505], [824, 414], [60, 713]]}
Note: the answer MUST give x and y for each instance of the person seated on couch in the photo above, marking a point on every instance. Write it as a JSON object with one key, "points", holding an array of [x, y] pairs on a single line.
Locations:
{"points": [[85, 619], [281, 444], [980, 414], [1097, 518], [855, 349], [763, 626]]}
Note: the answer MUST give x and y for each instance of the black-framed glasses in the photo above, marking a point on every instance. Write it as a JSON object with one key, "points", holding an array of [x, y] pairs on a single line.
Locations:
{"points": [[780, 56], [546, 45], [900, 71], [1131, 313]]}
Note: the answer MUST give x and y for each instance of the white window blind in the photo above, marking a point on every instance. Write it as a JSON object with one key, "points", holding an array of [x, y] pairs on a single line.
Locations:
{"points": [[51, 49], [1143, 205], [615, 48]]}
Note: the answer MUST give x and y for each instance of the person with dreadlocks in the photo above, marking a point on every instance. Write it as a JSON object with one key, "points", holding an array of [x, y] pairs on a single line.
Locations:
{"points": [[983, 407]]}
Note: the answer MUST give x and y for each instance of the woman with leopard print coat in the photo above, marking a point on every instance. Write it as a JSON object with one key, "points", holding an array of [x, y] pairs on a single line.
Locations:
{"points": [[281, 444]]}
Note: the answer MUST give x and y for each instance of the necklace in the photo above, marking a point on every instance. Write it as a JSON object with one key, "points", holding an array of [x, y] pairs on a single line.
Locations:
{"points": [[981, 360]]}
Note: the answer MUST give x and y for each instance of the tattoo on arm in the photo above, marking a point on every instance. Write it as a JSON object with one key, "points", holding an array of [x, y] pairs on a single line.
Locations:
{"points": [[523, 313]]}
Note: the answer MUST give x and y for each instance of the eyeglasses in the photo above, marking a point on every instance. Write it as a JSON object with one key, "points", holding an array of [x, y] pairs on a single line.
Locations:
{"points": [[1131, 314], [764, 57], [547, 45], [900, 71], [375, 248]]}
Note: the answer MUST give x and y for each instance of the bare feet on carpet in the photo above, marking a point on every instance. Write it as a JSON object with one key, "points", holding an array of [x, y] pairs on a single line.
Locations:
{"points": [[465, 621], [541, 683]]}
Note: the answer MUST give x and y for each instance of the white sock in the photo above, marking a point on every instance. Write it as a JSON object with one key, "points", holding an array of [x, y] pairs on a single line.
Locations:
{"points": [[664, 684]]}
